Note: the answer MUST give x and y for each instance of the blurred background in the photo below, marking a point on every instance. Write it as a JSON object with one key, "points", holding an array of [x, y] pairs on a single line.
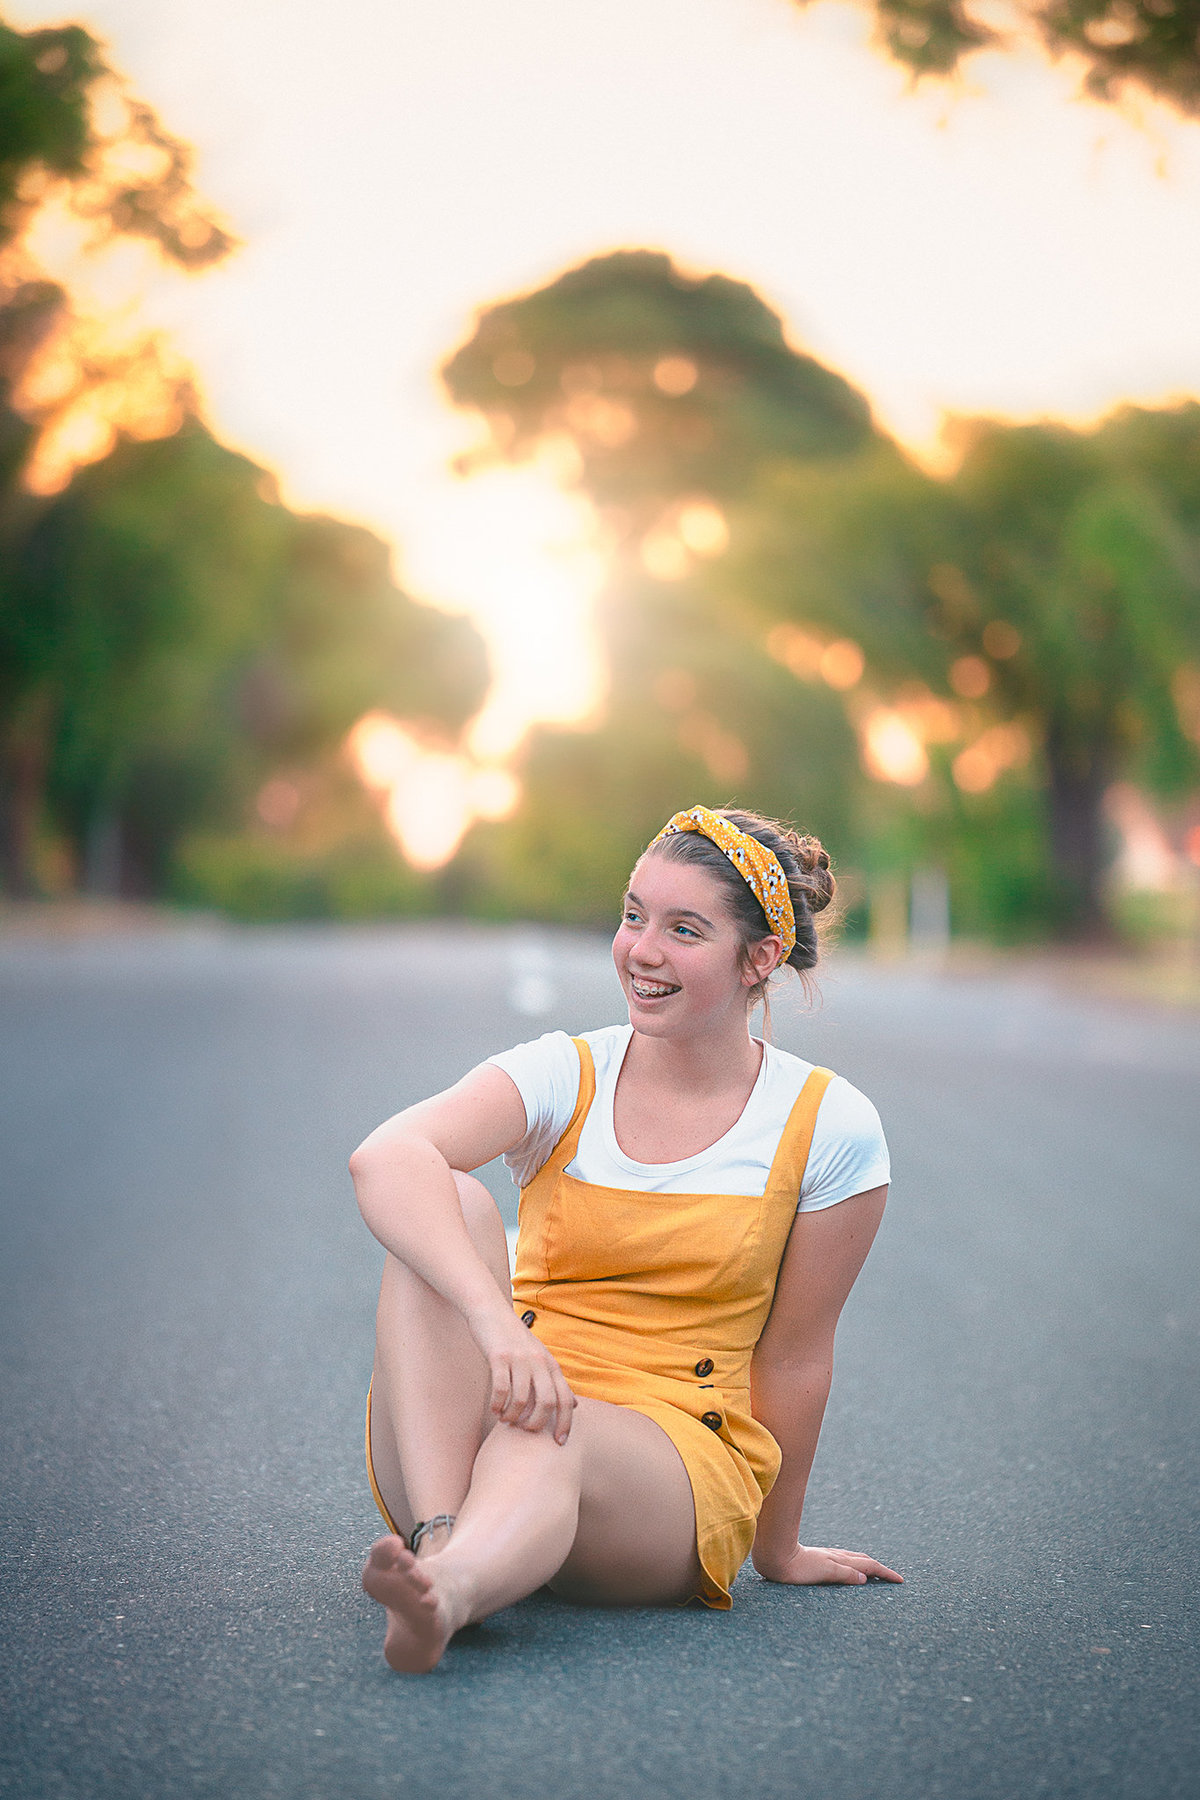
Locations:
{"points": [[436, 444]]}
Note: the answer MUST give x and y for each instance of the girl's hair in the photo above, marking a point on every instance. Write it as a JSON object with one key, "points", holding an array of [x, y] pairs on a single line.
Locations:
{"points": [[805, 863]]}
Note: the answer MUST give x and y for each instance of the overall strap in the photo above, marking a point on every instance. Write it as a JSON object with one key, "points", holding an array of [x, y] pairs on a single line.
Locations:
{"points": [[568, 1143], [791, 1157]]}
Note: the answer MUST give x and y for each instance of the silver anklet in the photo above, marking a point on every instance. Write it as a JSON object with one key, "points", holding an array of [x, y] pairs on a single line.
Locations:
{"points": [[425, 1526]]}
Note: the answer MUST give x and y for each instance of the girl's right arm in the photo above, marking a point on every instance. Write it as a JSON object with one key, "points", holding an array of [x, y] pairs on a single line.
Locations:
{"points": [[789, 1382], [404, 1181]]}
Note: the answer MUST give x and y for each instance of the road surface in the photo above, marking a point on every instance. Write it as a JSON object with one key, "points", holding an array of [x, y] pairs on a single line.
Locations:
{"points": [[186, 1298]]}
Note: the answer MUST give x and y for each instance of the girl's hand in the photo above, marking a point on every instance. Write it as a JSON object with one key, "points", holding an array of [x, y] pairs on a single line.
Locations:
{"points": [[528, 1387], [808, 1566]]}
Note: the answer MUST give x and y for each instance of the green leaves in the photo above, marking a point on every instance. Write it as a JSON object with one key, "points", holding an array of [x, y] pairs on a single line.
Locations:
{"points": [[1151, 45], [951, 669], [659, 383], [45, 127], [124, 173], [190, 637]]}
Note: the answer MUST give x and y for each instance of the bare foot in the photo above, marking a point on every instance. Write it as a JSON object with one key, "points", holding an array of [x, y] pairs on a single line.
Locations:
{"points": [[417, 1629]]}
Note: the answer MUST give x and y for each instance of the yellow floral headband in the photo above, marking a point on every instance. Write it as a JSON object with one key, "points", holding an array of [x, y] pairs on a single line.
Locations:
{"points": [[758, 867]]}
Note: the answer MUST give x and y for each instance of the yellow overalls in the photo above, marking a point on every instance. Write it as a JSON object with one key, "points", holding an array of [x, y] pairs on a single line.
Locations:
{"points": [[656, 1301]]}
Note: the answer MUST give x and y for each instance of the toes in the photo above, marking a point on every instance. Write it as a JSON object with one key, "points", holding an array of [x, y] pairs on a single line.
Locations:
{"points": [[384, 1552]]}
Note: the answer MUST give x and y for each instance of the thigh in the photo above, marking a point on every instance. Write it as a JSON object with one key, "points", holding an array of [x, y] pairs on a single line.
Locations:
{"points": [[636, 1539]]}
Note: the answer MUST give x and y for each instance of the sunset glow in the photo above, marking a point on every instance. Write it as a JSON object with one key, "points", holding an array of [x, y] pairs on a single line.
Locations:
{"points": [[693, 531], [839, 662], [892, 748], [997, 247], [98, 373], [521, 555], [1001, 747], [430, 797]]}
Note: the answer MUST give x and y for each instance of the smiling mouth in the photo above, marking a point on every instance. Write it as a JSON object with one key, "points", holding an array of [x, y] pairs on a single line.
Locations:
{"points": [[651, 990]]}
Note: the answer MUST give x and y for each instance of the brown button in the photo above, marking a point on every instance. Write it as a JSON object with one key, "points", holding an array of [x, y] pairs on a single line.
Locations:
{"points": [[712, 1420], [527, 1318], [705, 1366]]}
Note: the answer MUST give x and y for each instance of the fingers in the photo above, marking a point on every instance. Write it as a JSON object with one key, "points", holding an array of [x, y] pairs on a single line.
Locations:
{"points": [[502, 1388], [866, 1566], [565, 1404], [532, 1393]]}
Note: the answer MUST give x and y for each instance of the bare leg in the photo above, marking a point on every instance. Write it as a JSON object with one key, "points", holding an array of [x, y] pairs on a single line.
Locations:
{"points": [[431, 1435], [429, 1387], [609, 1514], [514, 1531], [636, 1540], [606, 1518]]}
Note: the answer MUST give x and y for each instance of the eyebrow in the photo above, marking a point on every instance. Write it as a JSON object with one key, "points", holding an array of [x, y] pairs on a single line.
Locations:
{"points": [[677, 912]]}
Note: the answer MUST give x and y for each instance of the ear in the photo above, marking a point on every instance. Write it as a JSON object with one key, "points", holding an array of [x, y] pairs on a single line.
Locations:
{"points": [[762, 959]]}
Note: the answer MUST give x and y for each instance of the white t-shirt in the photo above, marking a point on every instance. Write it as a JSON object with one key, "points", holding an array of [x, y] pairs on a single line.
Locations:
{"points": [[848, 1153]]}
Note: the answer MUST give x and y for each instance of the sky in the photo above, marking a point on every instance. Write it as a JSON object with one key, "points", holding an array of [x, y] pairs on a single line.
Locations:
{"points": [[996, 247]]}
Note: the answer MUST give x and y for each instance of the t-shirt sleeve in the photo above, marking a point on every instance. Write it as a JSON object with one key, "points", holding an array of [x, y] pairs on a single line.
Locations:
{"points": [[546, 1075], [849, 1153]]}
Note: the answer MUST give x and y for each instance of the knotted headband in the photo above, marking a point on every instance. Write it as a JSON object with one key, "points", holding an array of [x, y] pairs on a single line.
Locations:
{"points": [[758, 867]]}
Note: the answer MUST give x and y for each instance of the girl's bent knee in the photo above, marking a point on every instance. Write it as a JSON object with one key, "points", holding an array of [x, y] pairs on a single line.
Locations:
{"points": [[485, 1226], [478, 1207]]}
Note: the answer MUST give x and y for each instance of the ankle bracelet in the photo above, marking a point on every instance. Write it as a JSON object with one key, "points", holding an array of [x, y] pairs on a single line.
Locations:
{"points": [[425, 1526]]}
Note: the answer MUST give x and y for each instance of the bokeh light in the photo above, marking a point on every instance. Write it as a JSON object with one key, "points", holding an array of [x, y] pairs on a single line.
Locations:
{"points": [[430, 796], [892, 749], [522, 555]]}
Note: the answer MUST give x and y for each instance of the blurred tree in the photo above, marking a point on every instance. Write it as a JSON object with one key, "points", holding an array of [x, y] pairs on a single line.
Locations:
{"points": [[1152, 45], [1086, 580], [188, 636], [70, 131], [1044, 598], [132, 594], [45, 128], [664, 395], [77, 147], [169, 634], [71, 138], [656, 384], [979, 657]]}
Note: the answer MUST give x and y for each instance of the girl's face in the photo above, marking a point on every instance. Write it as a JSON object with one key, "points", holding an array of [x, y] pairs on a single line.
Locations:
{"points": [[677, 952]]}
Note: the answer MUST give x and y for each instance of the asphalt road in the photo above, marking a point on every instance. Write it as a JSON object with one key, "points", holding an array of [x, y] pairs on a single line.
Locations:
{"points": [[186, 1299]]}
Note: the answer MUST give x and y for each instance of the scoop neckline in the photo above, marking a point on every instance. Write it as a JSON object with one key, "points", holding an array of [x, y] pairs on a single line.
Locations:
{"points": [[684, 1163]]}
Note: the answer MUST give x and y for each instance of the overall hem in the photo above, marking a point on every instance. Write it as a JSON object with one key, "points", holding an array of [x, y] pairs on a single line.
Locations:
{"points": [[375, 1493]]}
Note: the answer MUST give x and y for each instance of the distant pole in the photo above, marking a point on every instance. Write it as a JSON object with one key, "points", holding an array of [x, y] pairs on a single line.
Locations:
{"points": [[889, 915], [929, 913], [102, 855]]}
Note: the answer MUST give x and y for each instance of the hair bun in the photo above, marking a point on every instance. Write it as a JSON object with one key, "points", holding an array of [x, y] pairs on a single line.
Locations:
{"points": [[819, 885]]}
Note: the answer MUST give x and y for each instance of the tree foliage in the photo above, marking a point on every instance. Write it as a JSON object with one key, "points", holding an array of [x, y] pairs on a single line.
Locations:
{"points": [[70, 129], [75, 139], [1147, 45], [672, 393], [1051, 585], [661, 382], [1025, 620], [170, 635]]}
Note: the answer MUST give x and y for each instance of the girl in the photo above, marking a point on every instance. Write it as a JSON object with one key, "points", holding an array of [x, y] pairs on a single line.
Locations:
{"points": [[640, 1406]]}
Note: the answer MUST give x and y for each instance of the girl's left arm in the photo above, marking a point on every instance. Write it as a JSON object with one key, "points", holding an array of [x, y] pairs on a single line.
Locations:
{"points": [[790, 1377]]}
